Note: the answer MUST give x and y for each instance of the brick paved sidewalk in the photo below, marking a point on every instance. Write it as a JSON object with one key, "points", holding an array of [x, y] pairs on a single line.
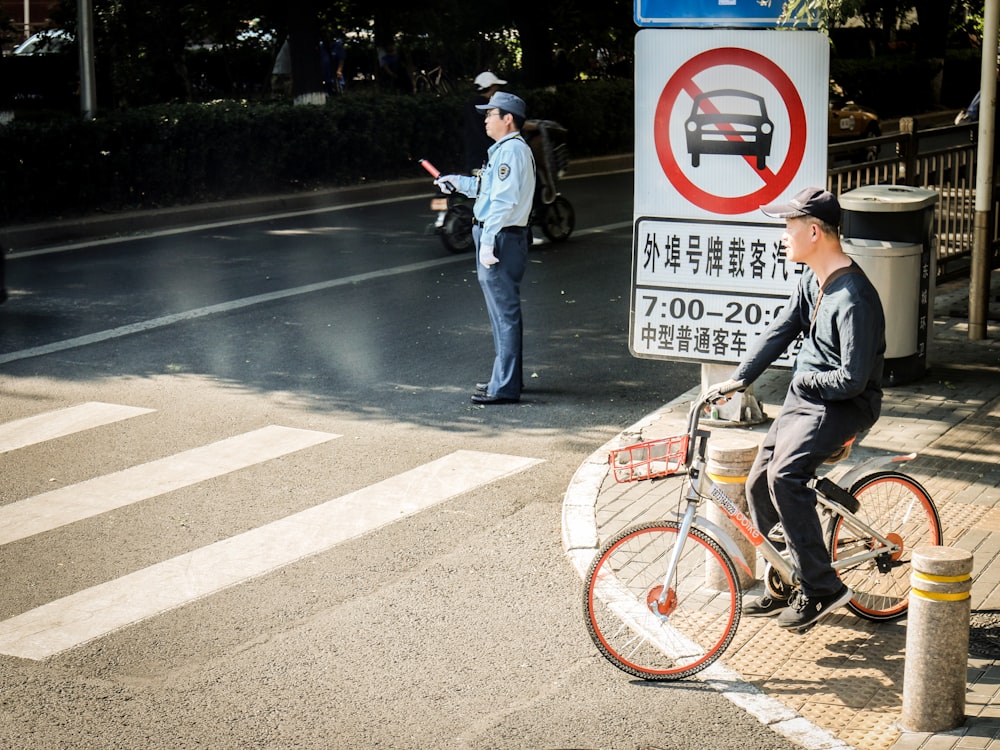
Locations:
{"points": [[843, 680]]}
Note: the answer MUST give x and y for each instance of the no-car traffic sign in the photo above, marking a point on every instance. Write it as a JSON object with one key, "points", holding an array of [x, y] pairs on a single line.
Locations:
{"points": [[726, 121]]}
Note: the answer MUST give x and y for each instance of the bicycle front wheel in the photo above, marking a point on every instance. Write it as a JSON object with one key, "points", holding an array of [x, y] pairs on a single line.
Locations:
{"points": [[657, 635], [901, 510]]}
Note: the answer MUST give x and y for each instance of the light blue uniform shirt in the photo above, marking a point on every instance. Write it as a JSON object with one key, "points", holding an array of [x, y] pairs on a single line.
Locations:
{"points": [[504, 190]]}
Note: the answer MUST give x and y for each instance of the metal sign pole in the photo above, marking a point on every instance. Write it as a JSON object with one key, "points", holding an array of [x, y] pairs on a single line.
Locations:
{"points": [[979, 282]]}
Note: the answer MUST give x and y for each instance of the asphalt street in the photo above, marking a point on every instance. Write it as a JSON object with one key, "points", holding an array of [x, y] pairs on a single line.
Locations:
{"points": [[248, 503]]}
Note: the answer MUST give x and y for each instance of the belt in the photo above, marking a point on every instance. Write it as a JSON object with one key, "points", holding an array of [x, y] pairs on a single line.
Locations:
{"points": [[478, 223]]}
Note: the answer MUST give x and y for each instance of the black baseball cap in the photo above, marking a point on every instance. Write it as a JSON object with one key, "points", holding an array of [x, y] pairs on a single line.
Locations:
{"points": [[812, 201]]}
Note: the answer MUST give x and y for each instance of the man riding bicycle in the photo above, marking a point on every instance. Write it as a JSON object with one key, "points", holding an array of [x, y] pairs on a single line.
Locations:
{"points": [[835, 392]]}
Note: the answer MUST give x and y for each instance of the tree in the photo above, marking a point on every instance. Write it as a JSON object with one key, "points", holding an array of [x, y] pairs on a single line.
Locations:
{"points": [[932, 38], [304, 36], [146, 45]]}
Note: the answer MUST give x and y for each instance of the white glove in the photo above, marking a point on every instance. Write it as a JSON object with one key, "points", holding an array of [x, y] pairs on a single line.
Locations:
{"points": [[447, 183], [486, 256]]}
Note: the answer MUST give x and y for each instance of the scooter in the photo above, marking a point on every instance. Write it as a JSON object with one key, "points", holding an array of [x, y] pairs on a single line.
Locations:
{"points": [[551, 211], [454, 221]]}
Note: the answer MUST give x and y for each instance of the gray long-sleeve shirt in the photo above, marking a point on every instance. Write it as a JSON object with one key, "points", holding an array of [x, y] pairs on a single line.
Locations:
{"points": [[843, 346]]}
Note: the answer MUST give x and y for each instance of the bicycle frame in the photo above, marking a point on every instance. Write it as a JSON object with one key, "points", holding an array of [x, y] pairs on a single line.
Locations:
{"points": [[701, 486]]}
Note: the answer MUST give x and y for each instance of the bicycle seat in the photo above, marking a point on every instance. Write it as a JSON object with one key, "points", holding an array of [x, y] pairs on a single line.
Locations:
{"points": [[842, 452]]}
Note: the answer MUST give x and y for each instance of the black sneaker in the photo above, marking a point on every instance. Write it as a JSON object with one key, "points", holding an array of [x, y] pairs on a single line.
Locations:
{"points": [[807, 610], [764, 605]]}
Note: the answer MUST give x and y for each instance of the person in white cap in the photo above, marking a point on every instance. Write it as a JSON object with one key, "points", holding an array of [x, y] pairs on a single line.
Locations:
{"points": [[504, 191], [474, 139]]}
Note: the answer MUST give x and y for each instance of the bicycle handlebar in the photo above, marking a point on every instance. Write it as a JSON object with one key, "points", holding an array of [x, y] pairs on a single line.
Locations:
{"points": [[716, 393], [723, 390]]}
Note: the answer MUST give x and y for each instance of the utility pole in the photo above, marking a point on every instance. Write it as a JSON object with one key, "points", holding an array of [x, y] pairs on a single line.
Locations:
{"points": [[85, 31], [979, 280]]}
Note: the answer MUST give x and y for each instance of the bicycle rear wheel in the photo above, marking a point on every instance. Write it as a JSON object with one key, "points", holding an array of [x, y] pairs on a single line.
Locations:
{"points": [[668, 641], [900, 509], [558, 219]]}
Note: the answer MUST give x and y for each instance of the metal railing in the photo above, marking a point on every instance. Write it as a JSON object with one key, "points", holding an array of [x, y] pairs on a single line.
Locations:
{"points": [[951, 171]]}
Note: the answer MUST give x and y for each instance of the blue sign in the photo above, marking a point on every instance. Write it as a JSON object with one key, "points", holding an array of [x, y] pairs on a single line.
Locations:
{"points": [[695, 13]]}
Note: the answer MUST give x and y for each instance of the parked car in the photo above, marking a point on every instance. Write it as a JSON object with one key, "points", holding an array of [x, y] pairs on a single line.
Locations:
{"points": [[41, 72], [49, 42], [850, 121]]}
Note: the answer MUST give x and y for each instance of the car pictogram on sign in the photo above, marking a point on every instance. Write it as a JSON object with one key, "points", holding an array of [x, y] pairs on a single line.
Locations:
{"points": [[729, 121]]}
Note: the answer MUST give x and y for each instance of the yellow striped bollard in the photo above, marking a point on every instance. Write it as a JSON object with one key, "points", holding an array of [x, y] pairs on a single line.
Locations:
{"points": [[729, 461], [937, 640]]}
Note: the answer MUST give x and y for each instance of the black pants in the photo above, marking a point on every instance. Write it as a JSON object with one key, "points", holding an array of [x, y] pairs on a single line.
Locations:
{"points": [[805, 433]]}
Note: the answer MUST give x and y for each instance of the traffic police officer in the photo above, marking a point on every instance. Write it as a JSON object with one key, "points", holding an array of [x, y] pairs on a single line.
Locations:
{"points": [[504, 192]]}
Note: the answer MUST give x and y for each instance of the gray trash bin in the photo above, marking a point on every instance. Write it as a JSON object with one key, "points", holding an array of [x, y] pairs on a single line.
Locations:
{"points": [[894, 269], [886, 230]]}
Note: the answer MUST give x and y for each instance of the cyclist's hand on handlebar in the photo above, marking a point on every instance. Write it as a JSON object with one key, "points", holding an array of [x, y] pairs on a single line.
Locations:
{"points": [[719, 393], [447, 183]]}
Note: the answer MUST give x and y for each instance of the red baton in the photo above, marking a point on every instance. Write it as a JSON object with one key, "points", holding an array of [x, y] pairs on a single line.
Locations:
{"points": [[430, 168]]}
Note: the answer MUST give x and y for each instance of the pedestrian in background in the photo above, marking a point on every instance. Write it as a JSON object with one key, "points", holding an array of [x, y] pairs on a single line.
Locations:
{"points": [[474, 139], [332, 57], [503, 191]]}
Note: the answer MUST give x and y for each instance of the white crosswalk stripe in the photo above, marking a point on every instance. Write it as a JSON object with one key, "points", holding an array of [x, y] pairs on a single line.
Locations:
{"points": [[62, 422], [102, 609], [76, 502]]}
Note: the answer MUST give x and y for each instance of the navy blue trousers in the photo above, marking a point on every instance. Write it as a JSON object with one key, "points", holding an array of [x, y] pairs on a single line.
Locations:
{"points": [[501, 285], [806, 432]]}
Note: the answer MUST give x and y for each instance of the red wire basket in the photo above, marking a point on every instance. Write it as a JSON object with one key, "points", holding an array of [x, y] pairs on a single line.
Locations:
{"points": [[648, 460]]}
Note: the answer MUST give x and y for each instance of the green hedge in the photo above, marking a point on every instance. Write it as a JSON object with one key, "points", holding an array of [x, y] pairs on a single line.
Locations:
{"points": [[168, 155], [185, 153]]}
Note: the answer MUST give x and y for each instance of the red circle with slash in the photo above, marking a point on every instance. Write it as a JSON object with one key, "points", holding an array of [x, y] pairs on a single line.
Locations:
{"points": [[775, 182]]}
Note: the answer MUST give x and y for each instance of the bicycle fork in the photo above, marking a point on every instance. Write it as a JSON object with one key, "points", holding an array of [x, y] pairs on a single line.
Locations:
{"points": [[659, 601], [663, 602]]}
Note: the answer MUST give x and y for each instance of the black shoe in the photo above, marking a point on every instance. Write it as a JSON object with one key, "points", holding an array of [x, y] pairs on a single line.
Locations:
{"points": [[807, 610], [764, 605], [485, 399], [483, 387]]}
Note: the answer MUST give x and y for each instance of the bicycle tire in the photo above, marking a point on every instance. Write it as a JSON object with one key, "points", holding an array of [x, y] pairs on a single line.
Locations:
{"points": [[422, 84], [558, 220], [900, 508], [629, 569]]}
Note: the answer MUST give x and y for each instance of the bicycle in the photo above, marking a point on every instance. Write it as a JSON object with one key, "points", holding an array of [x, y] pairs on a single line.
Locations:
{"points": [[662, 599], [432, 81]]}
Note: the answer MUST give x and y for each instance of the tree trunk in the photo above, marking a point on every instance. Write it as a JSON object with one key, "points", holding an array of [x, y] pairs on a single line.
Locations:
{"points": [[932, 40], [307, 72], [536, 44]]}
